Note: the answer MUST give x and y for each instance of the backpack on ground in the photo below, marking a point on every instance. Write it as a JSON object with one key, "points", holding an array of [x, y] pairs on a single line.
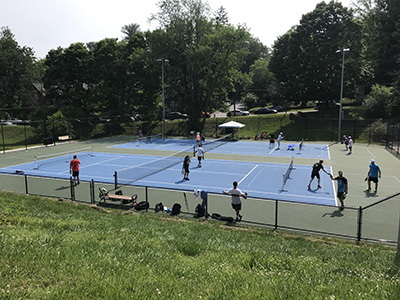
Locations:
{"points": [[141, 205], [159, 207], [176, 209], [199, 211], [221, 218]]}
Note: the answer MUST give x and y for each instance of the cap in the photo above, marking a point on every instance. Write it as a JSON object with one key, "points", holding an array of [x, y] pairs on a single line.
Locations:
{"points": [[372, 160]]}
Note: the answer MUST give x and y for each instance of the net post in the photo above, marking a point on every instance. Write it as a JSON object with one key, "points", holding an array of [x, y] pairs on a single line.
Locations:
{"points": [[35, 167], [115, 179], [92, 149]]}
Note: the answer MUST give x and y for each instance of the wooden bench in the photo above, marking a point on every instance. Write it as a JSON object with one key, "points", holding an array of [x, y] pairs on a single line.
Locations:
{"points": [[64, 138], [104, 196]]}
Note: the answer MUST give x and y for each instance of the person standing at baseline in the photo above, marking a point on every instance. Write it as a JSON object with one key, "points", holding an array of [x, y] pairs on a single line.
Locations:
{"points": [[236, 202], [279, 139], [350, 145], [373, 174], [342, 188], [185, 167], [74, 169], [200, 155], [315, 173]]}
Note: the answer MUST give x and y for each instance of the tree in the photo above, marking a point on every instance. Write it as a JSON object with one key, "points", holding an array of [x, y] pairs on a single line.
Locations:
{"points": [[381, 35], [130, 30], [263, 82], [204, 56], [304, 60], [17, 73], [380, 102]]}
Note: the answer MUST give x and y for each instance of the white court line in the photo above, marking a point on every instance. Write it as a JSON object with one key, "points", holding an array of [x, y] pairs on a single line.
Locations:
{"points": [[248, 174], [396, 179], [370, 153], [276, 147]]}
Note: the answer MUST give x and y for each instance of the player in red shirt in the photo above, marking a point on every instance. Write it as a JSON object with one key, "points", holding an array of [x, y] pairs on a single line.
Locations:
{"points": [[74, 169]]}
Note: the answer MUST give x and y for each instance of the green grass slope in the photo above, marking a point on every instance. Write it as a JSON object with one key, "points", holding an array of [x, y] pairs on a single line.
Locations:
{"points": [[59, 250]]}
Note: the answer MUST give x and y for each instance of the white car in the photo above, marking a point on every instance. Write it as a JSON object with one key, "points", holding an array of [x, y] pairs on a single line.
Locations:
{"points": [[237, 112], [15, 121], [2, 122]]}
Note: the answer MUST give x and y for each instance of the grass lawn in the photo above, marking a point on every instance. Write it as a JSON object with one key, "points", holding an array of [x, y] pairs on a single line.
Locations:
{"points": [[60, 250]]}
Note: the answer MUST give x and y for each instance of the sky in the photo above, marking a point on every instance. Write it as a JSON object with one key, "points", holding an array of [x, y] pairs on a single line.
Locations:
{"points": [[47, 24]]}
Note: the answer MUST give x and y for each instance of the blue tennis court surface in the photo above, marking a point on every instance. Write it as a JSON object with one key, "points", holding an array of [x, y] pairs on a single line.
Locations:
{"points": [[262, 180], [260, 148]]}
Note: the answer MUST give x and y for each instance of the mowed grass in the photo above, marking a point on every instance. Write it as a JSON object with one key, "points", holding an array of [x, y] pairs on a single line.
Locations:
{"points": [[61, 250]]}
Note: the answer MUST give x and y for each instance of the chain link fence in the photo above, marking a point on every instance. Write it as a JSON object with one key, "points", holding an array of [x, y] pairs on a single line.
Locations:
{"points": [[377, 222]]}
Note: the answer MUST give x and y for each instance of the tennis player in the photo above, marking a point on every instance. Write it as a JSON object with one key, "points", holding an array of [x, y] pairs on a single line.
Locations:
{"points": [[74, 169], [373, 174], [315, 173], [342, 188], [279, 139], [236, 202], [185, 167], [200, 155]]}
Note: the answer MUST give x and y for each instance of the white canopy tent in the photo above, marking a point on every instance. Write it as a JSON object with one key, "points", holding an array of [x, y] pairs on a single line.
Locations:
{"points": [[232, 124]]}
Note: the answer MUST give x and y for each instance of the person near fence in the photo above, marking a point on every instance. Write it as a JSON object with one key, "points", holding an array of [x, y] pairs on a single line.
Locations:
{"points": [[236, 202], [315, 173], [74, 169], [350, 145], [342, 188], [346, 142], [185, 167], [373, 173]]}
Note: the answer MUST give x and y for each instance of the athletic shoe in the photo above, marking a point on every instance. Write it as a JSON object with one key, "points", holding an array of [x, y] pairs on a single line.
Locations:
{"points": [[320, 187], [341, 208], [240, 217], [309, 187]]}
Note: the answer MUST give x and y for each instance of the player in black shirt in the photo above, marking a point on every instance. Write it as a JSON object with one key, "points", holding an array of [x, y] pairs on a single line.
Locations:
{"points": [[315, 173]]}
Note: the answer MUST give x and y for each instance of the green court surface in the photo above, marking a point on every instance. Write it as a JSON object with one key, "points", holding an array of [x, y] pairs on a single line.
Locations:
{"points": [[379, 222]]}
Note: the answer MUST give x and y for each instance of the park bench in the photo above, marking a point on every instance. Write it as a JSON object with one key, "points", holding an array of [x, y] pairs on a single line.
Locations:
{"points": [[104, 196]]}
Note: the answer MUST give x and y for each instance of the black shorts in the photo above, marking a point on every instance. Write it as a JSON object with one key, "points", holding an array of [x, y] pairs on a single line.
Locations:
{"points": [[75, 173], [340, 195], [315, 174], [237, 206], [373, 179], [199, 158]]}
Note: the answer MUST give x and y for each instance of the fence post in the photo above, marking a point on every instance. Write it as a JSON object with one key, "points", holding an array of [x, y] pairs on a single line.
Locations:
{"points": [[26, 184], [115, 180], [91, 187], [276, 214], [2, 138], [72, 187], [359, 221], [147, 196], [398, 238]]}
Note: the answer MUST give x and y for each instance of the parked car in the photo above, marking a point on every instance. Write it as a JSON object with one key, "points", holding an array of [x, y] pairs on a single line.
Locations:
{"points": [[3, 122], [277, 108], [174, 115], [237, 112], [15, 121], [264, 110], [320, 105]]}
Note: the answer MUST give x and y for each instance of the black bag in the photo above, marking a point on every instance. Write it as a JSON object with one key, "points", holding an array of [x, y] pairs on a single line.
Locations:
{"points": [[159, 207], [141, 205], [200, 211], [176, 209], [119, 192], [221, 218]]}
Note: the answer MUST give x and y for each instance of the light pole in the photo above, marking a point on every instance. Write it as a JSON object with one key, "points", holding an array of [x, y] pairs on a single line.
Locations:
{"points": [[163, 94], [343, 51]]}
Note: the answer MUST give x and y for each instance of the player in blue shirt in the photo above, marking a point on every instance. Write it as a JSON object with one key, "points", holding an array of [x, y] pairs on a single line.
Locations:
{"points": [[342, 188], [373, 174]]}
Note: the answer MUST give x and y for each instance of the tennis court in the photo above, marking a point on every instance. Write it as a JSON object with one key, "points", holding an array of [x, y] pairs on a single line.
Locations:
{"points": [[258, 148], [264, 180]]}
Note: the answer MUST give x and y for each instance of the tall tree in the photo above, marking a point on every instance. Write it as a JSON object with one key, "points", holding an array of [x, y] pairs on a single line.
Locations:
{"points": [[204, 56], [17, 74], [304, 60], [381, 34], [130, 30]]}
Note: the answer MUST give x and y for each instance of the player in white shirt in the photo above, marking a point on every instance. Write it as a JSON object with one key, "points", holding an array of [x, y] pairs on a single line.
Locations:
{"points": [[236, 202], [200, 155]]}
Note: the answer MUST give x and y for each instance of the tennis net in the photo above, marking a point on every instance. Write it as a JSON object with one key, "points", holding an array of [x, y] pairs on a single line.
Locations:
{"points": [[210, 145], [286, 176], [135, 173], [148, 138], [56, 158]]}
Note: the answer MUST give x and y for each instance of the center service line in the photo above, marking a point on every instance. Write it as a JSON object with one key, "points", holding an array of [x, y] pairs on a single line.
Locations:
{"points": [[247, 174]]}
